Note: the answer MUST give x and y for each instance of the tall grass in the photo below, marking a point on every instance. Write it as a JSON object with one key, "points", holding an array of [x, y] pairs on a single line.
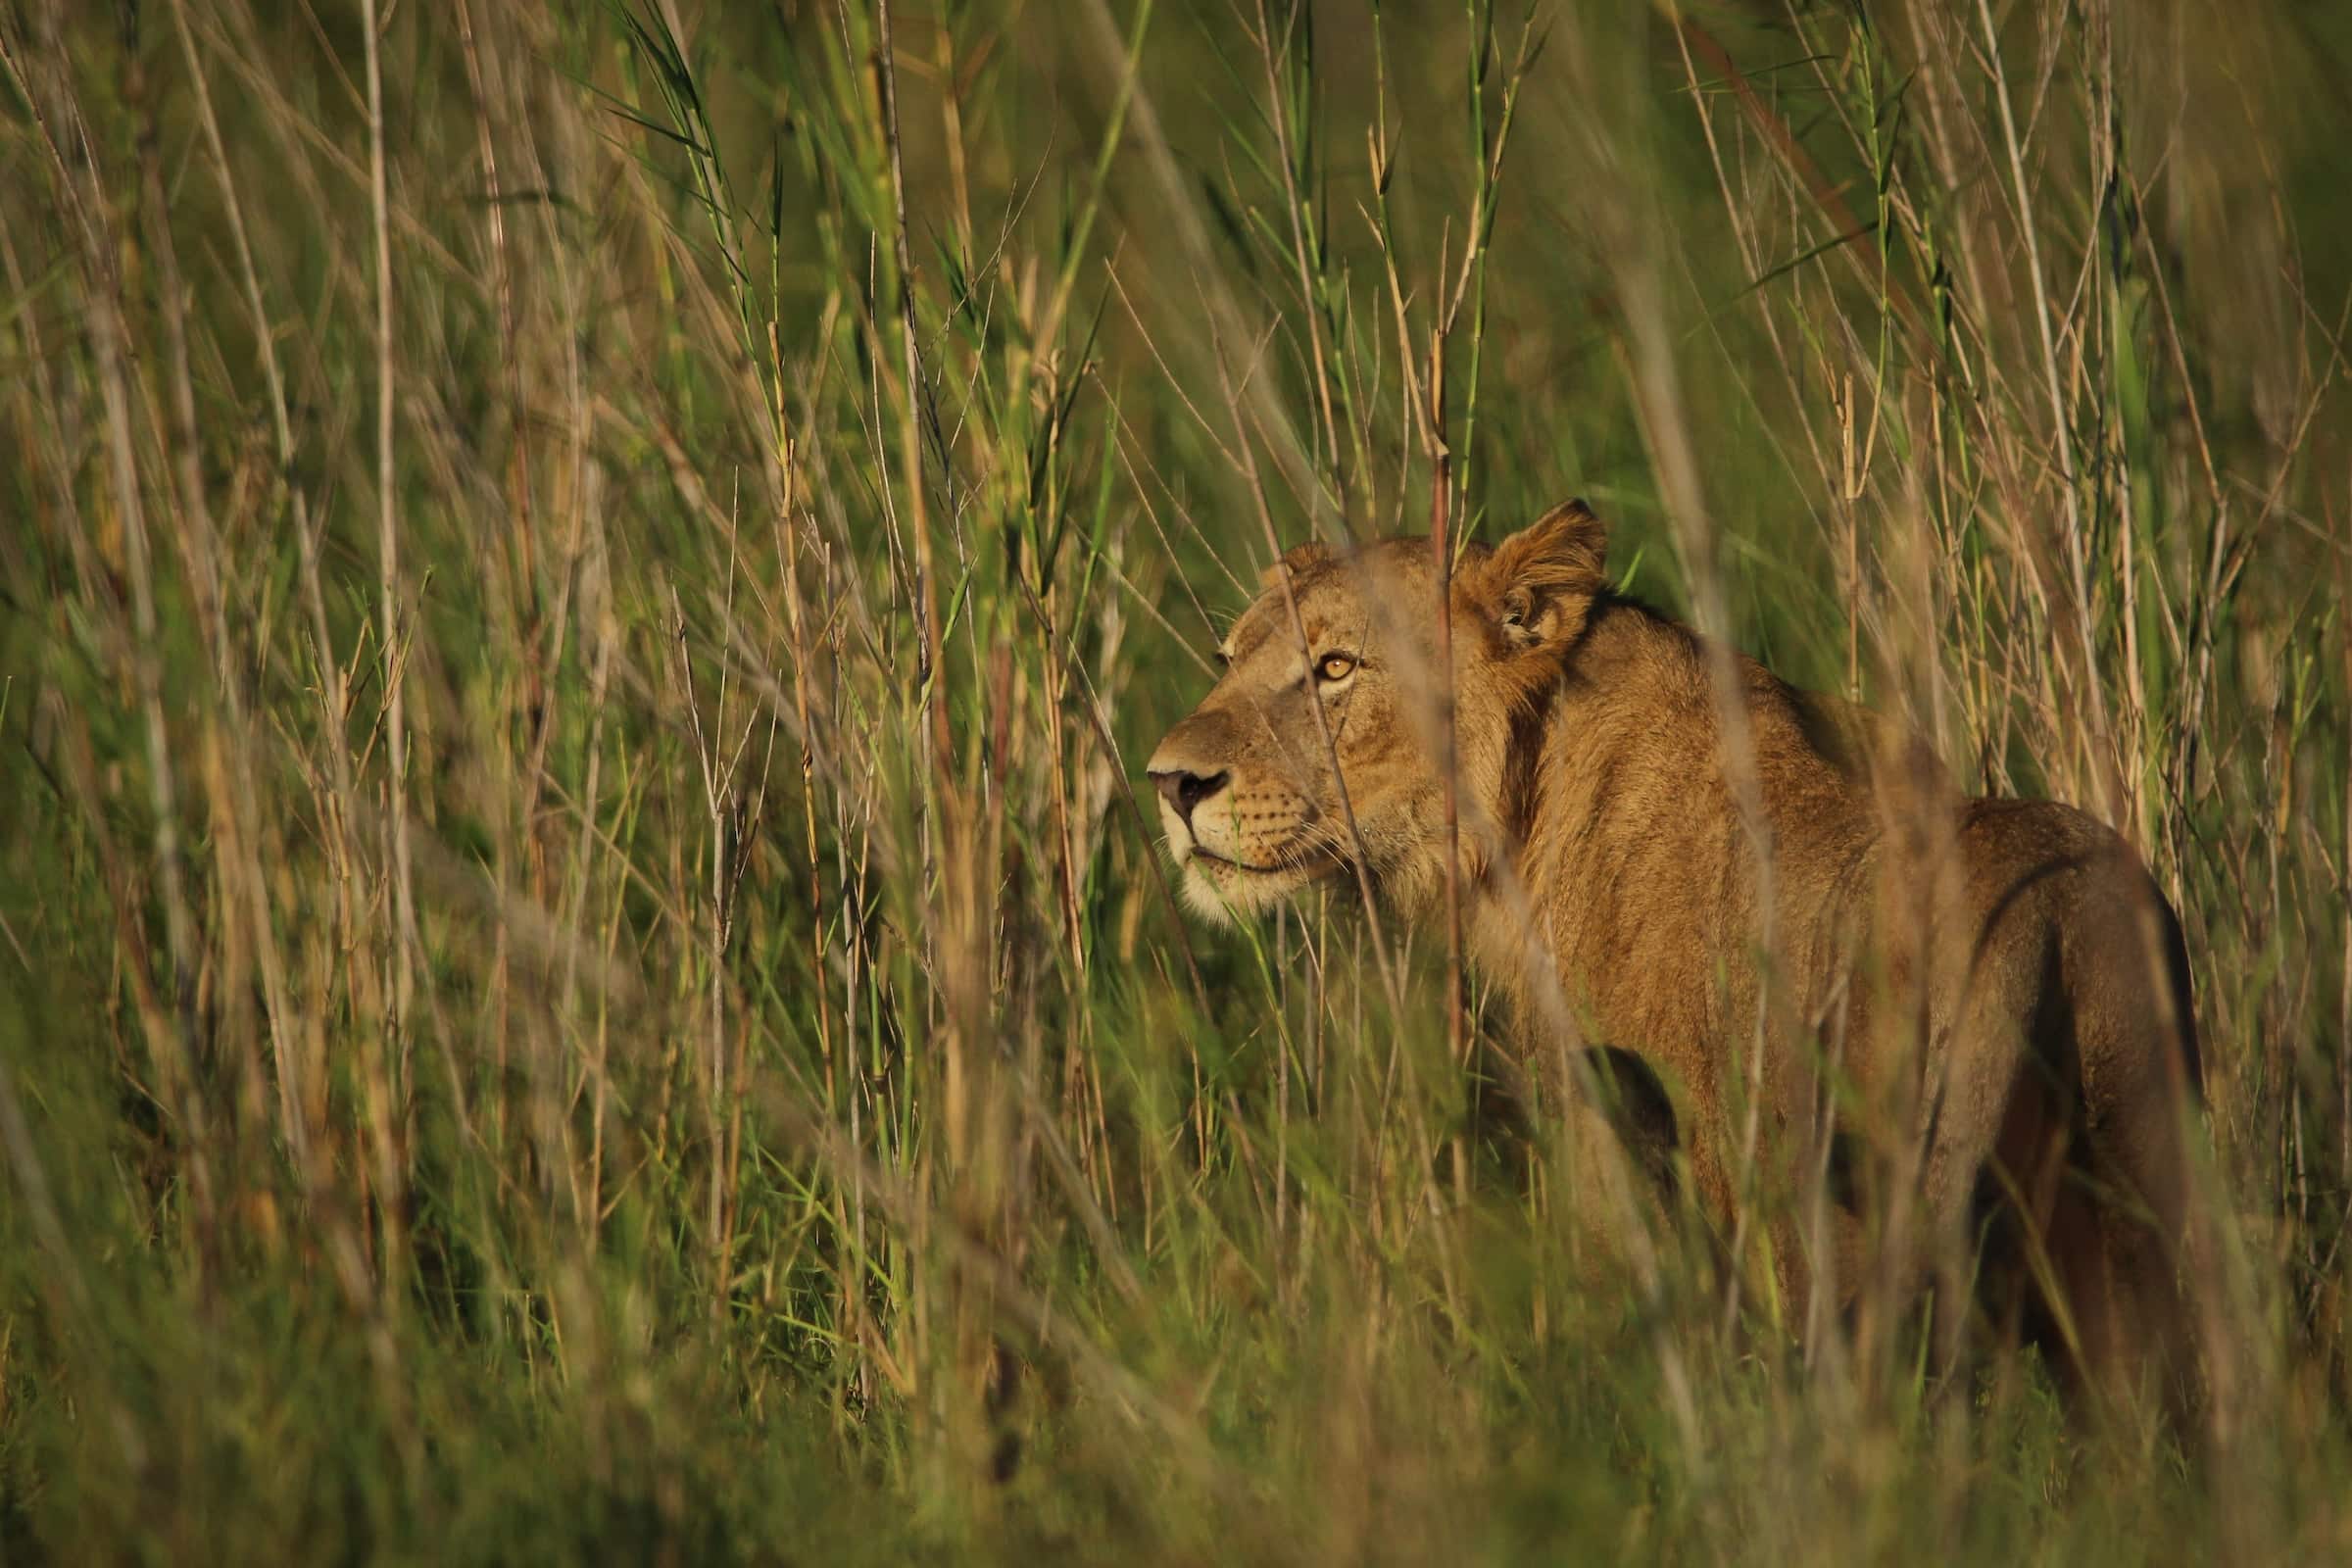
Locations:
{"points": [[582, 592]]}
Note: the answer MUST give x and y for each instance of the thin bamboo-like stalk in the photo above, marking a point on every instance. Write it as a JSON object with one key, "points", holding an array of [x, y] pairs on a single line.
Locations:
{"points": [[391, 632], [2090, 691], [1441, 568]]}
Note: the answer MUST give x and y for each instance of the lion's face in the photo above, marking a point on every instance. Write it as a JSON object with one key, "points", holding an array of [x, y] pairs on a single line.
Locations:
{"points": [[1248, 799]]}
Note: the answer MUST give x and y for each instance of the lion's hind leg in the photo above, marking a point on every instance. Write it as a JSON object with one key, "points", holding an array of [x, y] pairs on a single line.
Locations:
{"points": [[2123, 1232]]}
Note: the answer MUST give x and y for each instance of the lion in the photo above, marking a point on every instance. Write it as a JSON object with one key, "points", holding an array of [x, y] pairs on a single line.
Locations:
{"points": [[1966, 1016]]}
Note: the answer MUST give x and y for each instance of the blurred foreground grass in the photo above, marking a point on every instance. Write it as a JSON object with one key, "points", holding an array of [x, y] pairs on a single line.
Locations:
{"points": [[582, 590]]}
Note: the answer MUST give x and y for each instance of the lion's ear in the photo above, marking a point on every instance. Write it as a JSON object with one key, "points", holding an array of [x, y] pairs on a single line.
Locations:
{"points": [[1540, 583], [1294, 561]]}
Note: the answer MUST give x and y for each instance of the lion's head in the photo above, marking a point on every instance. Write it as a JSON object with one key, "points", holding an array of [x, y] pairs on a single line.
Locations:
{"points": [[1248, 799]]}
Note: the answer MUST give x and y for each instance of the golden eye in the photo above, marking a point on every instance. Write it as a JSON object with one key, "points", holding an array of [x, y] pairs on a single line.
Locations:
{"points": [[1336, 666]]}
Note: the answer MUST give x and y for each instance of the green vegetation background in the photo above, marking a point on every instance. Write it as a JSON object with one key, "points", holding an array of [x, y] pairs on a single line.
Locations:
{"points": [[516, 1042]]}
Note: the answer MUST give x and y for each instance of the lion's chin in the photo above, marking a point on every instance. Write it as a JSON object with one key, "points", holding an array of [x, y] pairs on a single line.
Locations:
{"points": [[1222, 892]]}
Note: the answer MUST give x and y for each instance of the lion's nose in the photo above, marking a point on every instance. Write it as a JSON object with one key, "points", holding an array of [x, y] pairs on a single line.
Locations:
{"points": [[1184, 791]]}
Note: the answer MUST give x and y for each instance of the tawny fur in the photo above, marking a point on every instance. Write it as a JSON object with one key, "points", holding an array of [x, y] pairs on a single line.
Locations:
{"points": [[1977, 1010]]}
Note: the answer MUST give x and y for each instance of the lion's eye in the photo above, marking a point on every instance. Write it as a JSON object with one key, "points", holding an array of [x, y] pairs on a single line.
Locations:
{"points": [[1336, 666]]}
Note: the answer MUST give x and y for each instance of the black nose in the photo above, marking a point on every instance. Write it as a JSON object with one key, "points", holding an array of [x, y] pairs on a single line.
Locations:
{"points": [[1184, 791]]}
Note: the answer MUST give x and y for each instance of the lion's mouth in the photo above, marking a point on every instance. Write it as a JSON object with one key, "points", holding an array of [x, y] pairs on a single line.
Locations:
{"points": [[1231, 865], [1222, 888], [1288, 864]]}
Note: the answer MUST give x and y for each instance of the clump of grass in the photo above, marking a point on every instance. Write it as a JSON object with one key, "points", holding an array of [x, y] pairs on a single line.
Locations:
{"points": [[585, 974]]}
